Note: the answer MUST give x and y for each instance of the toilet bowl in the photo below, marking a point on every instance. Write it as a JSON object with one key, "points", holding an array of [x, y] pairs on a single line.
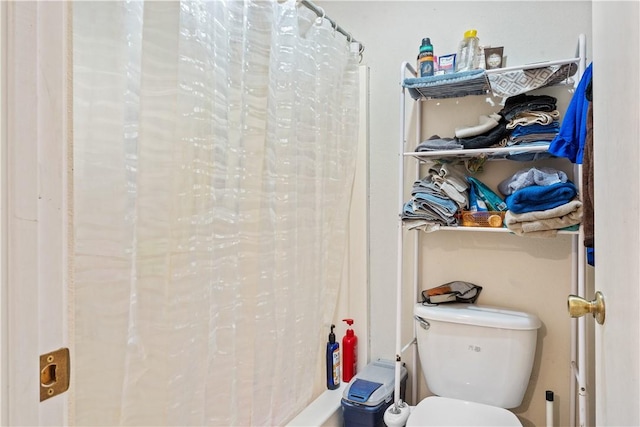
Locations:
{"points": [[476, 360], [443, 411]]}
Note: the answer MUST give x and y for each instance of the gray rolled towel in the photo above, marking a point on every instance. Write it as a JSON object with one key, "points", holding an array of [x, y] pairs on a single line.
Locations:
{"points": [[531, 176], [485, 124]]}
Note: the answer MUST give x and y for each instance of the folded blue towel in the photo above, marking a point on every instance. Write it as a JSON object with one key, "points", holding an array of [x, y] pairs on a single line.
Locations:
{"points": [[535, 128], [432, 207], [541, 197]]}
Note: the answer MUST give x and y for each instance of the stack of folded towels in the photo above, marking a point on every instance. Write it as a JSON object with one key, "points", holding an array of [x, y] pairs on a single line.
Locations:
{"points": [[531, 119], [436, 198], [540, 202], [524, 119]]}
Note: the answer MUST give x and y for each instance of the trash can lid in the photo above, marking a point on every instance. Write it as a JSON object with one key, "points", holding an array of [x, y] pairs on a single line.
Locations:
{"points": [[374, 384]]}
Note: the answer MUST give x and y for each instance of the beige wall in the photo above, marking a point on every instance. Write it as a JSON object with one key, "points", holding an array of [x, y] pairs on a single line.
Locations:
{"points": [[521, 273], [4, 389]]}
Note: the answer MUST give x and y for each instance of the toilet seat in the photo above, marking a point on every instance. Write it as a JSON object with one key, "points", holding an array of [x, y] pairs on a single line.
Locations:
{"points": [[444, 411]]}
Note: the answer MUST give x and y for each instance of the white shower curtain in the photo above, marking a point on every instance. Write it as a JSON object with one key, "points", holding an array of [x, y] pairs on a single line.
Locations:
{"points": [[214, 152]]}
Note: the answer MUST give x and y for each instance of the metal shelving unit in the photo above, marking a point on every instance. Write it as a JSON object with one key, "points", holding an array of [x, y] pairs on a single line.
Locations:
{"points": [[479, 81]]}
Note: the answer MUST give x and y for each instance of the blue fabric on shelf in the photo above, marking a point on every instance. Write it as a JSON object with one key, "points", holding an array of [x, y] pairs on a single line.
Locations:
{"points": [[493, 201], [529, 157], [451, 85], [570, 140], [430, 207], [591, 256], [442, 78], [430, 203], [541, 197], [535, 129]]}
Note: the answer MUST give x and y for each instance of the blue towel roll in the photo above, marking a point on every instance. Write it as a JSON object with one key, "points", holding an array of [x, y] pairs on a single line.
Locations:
{"points": [[541, 197]]}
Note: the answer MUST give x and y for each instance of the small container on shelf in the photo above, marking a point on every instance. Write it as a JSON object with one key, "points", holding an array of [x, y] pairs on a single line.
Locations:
{"points": [[447, 64], [493, 57], [493, 219], [468, 52]]}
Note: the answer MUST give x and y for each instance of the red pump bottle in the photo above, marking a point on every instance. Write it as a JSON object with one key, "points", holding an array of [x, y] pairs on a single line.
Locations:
{"points": [[349, 353]]}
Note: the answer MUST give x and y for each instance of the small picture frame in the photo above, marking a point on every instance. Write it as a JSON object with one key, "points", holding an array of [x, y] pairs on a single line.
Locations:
{"points": [[493, 57]]}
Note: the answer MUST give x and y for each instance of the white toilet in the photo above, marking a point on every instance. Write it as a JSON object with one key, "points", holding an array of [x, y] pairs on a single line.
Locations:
{"points": [[477, 360]]}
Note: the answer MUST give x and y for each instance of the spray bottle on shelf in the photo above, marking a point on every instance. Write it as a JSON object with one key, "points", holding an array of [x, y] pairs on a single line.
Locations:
{"points": [[333, 361], [349, 353], [425, 58]]}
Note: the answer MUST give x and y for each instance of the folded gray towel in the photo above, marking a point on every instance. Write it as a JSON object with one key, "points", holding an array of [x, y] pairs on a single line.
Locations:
{"points": [[435, 143]]}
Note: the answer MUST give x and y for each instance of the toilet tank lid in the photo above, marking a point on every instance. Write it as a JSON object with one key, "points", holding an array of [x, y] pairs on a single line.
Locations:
{"points": [[479, 315]]}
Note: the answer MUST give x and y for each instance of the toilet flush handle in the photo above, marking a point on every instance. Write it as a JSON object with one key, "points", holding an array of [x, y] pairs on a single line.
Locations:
{"points": [[425, 325]]}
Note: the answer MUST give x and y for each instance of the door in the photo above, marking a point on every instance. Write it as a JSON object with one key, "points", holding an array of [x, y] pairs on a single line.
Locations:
{"points": [[616, 87], [33, 230]]}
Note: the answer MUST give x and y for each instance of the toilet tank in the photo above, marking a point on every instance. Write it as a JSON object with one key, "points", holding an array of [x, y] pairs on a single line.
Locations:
{"points": [[476, 353]]}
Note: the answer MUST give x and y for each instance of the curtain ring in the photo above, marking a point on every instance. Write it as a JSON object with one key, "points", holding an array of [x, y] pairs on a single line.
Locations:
{"points": [[319, 19]]}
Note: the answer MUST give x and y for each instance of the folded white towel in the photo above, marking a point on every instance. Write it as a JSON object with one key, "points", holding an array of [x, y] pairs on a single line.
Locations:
{"points": [[545, 223], [533, 117]]}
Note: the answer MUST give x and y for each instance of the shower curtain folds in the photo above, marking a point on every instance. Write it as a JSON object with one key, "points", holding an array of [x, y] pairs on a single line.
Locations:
{"points": [[214, 152]]}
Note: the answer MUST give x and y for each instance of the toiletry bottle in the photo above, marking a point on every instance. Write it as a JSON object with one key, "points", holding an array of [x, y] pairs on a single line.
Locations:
{"points": [[425, 58], [333, 361], [468, 52], [349, 353]]}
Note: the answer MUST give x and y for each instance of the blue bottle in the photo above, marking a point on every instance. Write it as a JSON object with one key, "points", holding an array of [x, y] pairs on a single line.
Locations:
{"points": [[333, 361]]}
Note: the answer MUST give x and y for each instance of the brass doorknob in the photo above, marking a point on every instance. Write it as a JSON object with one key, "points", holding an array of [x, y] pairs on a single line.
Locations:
{"points": [[579, 306]]}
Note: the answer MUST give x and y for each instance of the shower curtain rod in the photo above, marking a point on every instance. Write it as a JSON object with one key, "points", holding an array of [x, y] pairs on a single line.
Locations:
{"points": [[320, 12]]}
